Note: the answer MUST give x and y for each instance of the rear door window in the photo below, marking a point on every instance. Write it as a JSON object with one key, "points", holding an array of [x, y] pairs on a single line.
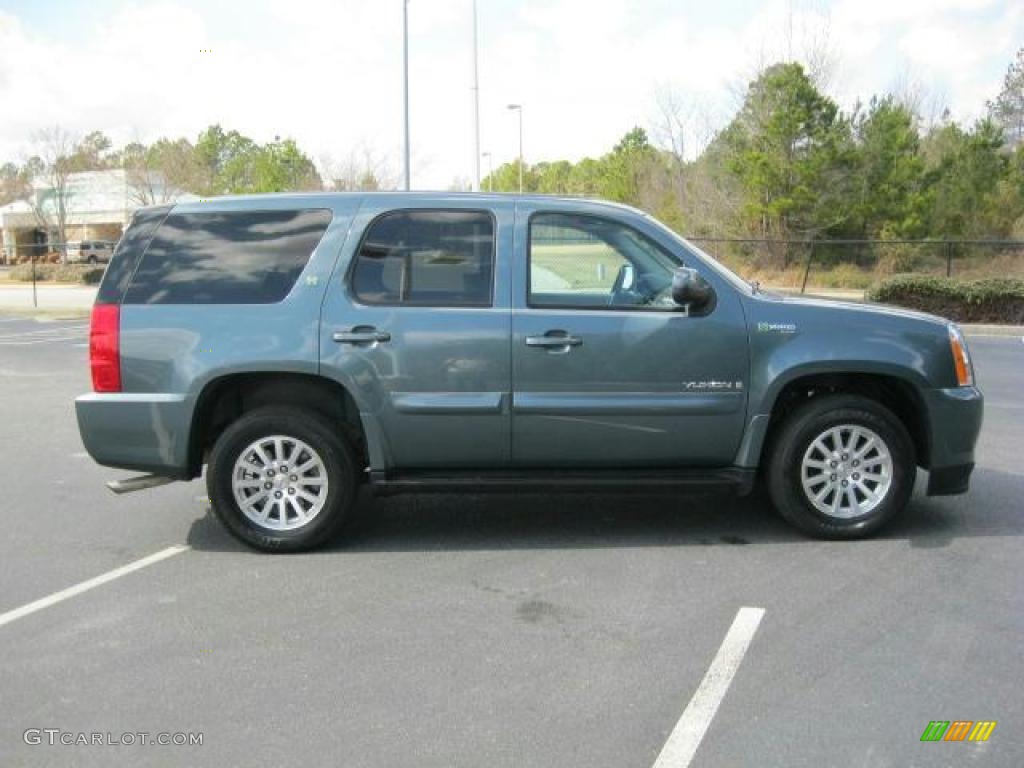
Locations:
{"points": [[427, 258], [233, 257]]}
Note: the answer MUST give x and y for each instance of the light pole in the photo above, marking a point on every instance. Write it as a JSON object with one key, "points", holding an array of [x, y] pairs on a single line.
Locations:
{"points": [[519, 108], [476, 108], [490, 171], [405, 85]]}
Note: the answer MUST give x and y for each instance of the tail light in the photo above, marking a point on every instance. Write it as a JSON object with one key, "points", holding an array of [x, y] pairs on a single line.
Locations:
{"points": [[105, 347]]}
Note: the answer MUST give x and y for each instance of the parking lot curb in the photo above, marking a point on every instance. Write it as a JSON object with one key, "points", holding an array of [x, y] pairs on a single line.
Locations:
{"points": [[981, 329]]}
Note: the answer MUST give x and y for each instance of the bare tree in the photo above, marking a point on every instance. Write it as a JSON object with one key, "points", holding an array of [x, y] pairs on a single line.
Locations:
{"points": [[814, 48], [804, 36], [927, 104], [683, 128], [460, 184], [161, 172], [362, 169], [12, 183], [48, 189]]}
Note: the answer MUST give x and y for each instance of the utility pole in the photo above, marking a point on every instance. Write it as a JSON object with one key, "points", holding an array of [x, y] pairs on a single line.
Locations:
{"points": [[519, 108], [476, 107], [405, 84]]}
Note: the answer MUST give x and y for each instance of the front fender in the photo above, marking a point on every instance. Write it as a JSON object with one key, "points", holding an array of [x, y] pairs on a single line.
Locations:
{"points": [[791, 340]]}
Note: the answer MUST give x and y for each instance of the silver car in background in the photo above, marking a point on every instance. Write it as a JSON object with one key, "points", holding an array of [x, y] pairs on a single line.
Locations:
{"points": [[90, 251]]}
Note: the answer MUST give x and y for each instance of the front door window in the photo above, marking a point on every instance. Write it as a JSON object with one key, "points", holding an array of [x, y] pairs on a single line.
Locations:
{"points": [[587, 262]]}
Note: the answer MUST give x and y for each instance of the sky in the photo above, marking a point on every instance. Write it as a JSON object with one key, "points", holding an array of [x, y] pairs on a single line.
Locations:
{"points": [[328, 73]]}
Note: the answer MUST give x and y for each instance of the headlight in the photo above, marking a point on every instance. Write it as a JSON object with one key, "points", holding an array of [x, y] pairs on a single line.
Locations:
{"points": [[961, 358]]}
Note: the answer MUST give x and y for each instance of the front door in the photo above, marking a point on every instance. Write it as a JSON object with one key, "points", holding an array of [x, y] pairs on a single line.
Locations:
{"points": [[417, 324], [607, 372]]}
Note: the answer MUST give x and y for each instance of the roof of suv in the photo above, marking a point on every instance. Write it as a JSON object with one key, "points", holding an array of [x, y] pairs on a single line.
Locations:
{"points": [[435, 198]]}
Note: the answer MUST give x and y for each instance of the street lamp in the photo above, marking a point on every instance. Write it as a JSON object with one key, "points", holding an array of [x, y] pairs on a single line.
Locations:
{"points": [[405, 85], [490, 171], [476, 107], [519, 108]]}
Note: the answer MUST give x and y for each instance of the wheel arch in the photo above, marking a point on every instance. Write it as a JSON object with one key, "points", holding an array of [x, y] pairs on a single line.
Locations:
{"points": [[897, 390], [223, 399]]}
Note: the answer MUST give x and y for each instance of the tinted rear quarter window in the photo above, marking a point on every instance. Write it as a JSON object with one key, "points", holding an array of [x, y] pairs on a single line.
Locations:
{"points": [[129, 250], [234, 257], [427, 258]]}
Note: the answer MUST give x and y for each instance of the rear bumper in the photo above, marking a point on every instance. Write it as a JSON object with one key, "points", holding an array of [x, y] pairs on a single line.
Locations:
{"points": [[143, 432], [954, 420]]}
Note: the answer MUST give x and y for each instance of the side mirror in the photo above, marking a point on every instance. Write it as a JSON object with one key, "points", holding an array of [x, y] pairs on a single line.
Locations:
{"points": [[692, 291]]}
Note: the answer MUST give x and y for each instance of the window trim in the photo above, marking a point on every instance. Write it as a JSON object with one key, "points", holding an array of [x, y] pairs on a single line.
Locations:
{"points": [[170, 212], [354, 262], [575, 307]]}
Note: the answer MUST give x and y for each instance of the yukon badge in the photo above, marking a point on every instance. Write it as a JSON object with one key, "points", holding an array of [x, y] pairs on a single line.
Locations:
{"points": [[711, 385]]}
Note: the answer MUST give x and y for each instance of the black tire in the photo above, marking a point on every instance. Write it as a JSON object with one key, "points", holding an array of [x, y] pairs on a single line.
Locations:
{"points": [[330, 445], [801, 428]]}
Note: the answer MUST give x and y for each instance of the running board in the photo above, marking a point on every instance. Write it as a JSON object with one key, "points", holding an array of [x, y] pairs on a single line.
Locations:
{"points": [[736, 479], [138, 483]]}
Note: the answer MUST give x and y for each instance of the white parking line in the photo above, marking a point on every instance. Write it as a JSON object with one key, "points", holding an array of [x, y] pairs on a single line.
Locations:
{"points": [[689, 731], [45, 336], [85, 586], [56, 330], [40, 341]]}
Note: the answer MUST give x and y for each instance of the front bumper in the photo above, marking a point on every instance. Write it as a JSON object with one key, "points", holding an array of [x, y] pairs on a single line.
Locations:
{"points": [[954, 422], [143, 432]]}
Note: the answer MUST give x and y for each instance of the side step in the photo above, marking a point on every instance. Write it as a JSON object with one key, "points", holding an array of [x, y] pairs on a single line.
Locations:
{"points": [[736, 479], [138, 483]]}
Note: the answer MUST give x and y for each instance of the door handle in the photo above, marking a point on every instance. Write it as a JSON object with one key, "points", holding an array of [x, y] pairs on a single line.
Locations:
{"points": [[551, 340], [361, 335]]}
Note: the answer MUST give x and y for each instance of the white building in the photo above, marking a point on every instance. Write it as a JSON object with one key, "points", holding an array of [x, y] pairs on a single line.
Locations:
{"points": [[99, 204]]}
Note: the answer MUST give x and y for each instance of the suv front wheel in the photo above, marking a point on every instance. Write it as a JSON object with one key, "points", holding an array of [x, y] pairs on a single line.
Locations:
{"points": [[841, 467], [281, 481]]}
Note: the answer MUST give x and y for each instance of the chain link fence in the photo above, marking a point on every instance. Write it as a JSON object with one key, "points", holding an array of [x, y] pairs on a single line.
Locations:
{"points": [[856, 264], [843, 266]]}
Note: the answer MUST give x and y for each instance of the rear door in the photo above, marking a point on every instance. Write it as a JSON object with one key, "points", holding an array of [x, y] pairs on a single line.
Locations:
{"points": [[607, 371], [417, 318]]}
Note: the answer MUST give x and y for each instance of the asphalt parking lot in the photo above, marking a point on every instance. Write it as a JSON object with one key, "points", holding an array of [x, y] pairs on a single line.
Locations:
{"points": [[498, 631]]}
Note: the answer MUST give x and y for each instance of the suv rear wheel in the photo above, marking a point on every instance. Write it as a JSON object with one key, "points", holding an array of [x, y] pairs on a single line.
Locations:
{"points": [[280, 481], [841, 467]]}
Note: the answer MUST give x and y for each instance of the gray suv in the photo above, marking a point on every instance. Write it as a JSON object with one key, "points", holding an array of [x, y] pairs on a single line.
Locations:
{"points": [[302, 345]]}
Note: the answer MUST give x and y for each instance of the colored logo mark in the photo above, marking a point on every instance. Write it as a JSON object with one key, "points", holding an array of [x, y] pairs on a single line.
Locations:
{"points": [[958, 730]]}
